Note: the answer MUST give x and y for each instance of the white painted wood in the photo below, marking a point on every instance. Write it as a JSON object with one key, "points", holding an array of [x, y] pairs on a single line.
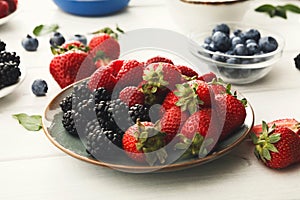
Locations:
{"points": [[32, 168]]}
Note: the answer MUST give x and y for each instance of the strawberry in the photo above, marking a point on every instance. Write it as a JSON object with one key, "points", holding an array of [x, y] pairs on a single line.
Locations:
{"points": [[292, 124], [131, 95], [97, 40], [158, 59], [200, 127], [65, 67], [231, 112], [170, 101], [172, 121], [158, 80], [278, 147], [72, 45], [13, 4], [142, 142], [4, 9], [105, 76], [218, 86], [208, 77], [130, 73], [187, 72]]}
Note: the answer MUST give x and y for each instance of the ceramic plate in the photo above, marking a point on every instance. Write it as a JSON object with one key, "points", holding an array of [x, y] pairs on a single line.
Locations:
{"points": [[75, 147], [134, 46], [8, 17], [7, 90]]}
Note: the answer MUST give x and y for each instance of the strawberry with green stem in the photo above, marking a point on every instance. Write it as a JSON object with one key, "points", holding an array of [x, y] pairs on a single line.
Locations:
{"points": [[278, 147]]}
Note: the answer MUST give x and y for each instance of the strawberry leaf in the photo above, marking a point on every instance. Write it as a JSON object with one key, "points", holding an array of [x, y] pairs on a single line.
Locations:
{"points": [[274, 138], [266, 154], [30, 123], [272, 148]]}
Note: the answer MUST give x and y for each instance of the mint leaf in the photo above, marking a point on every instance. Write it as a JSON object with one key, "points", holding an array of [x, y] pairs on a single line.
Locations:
{"points": [[31, 123], [280, 12], [292, 8], [45, 29], [265, 8]]}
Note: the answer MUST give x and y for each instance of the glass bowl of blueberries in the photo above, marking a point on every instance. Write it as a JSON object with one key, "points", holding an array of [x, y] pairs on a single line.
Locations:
{"points": [[239, 53]]}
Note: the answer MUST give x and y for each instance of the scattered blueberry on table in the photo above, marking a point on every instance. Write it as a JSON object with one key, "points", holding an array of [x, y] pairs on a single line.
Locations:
{"points": [[39, 87], [30, 43], [80, 38]]}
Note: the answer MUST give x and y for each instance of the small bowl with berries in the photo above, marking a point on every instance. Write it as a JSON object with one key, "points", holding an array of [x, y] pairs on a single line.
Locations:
{"points": [[8, 9], [240, 53]]}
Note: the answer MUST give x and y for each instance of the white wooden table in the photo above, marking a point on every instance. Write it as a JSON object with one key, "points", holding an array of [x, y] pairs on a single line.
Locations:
{"points": [[32, 168]]}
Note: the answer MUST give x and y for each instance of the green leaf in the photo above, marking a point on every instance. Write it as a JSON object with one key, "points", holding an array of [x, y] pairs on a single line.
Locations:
{"points": [[272, 148], [274, 138], [280, 12], [31, 123], [254, 138], [265, 8], [45, 29], [266, 154], [293, 8]]}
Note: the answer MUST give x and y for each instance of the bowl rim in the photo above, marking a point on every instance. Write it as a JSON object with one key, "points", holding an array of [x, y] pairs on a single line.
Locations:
{"points": [[279, 38]]}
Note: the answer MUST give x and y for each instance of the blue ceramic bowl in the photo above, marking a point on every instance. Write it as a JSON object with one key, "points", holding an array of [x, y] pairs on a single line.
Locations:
{"points": [[91, 7]]}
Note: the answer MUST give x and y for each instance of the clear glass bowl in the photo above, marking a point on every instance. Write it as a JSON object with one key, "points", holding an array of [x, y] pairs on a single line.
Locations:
{"points": [[253, 68]]}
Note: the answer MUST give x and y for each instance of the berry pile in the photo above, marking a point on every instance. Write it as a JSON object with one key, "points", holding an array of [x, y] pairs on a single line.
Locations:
{"points": [[9, 67], [143, 108], [240, 43]]}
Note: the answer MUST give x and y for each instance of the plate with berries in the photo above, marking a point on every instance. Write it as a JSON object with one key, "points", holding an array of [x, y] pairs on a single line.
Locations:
{"points": [[11, 73], [148, 115]]}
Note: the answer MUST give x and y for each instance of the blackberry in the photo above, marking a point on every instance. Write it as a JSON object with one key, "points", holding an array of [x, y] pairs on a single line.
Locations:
{"points": [[118, 113], [81, 92], [297, 61], [66, 103], [69, 123], [102, 143], [139, 111], [2, 46], [101, 94], [9, 69]]}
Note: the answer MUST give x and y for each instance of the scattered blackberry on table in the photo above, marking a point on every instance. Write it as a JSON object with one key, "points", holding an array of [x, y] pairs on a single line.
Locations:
{"points": [[297, 61], [140, 112], [9, 68], [102, 143], [39, 87]]}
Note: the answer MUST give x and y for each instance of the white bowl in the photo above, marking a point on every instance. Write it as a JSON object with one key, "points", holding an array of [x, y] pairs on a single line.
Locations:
{"points": [[191, 14]]}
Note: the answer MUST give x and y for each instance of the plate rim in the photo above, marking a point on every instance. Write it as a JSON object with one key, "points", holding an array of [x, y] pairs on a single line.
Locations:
{"points": [[142, 169]]}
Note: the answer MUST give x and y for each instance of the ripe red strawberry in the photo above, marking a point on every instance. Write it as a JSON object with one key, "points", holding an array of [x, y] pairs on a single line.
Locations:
{"points": [[200, 127], [208, 77], [98, 39], [278, 147], [130, 73], [231, 112], [169, 102], [105, 76], [187, 72], [4, 9], [172, 121], [13, 4], [143, 143], [131, 95], [64, 67], [218, 86], [158, 59], [292, 124]]}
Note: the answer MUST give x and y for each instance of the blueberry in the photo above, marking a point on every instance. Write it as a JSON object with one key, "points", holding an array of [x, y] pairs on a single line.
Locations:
{"points": [[268, 44], [30, 44], [253, 48], [237, 32], [233, 61], [252, 34], [218, 57], [229, 52], [207, 40], [222, 28], [250, 41], [39, 87], [240, 50], [80, 38], [235, 41], [57, 39], [221, 41]]}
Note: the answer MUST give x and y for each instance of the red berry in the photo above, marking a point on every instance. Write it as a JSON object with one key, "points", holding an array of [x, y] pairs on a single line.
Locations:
{"points": [[4, 9], [158, 59], [131, 95]]}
